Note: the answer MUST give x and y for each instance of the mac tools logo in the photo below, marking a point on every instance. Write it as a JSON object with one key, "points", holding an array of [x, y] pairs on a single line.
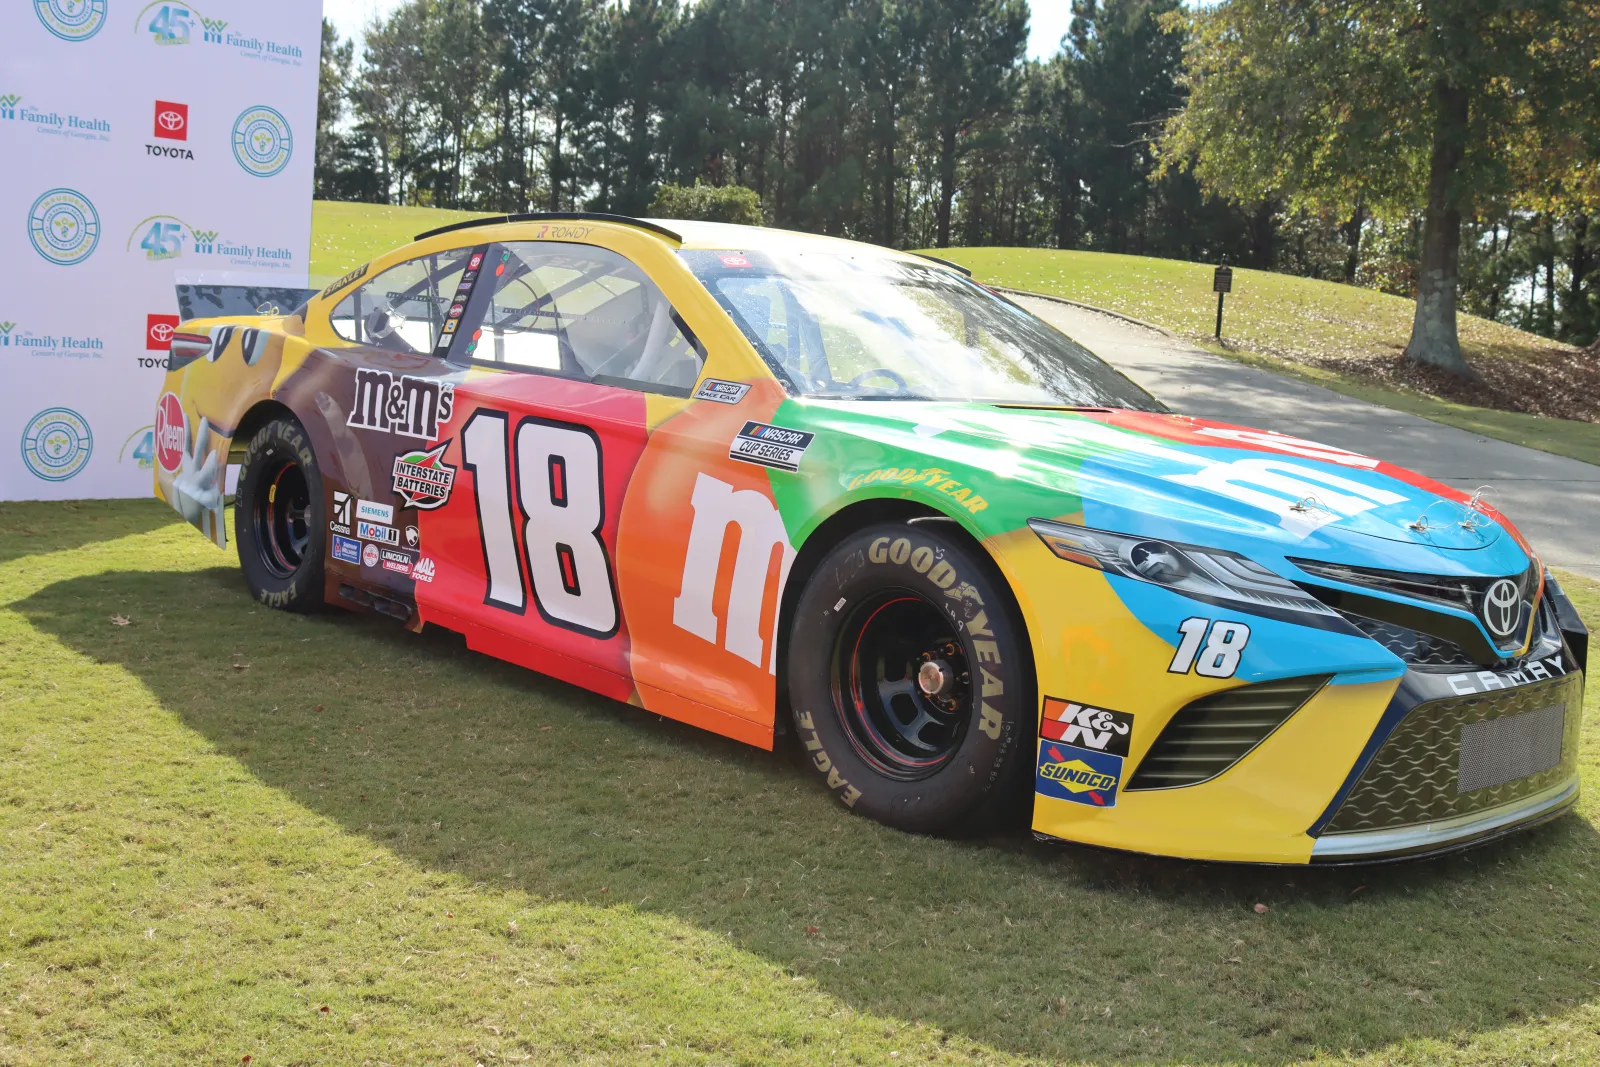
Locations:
{"points": [[71, 20], [49, 122], [262, 141], [64, 227], [169, 24], [171, 124], [165, 237]]}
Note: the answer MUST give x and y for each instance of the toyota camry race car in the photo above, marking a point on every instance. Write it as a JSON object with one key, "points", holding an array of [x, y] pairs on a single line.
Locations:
{"points": [[761, 481]]}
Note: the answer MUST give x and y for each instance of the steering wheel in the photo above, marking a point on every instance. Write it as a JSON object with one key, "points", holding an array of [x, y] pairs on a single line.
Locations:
{"points": [[878, 372]]}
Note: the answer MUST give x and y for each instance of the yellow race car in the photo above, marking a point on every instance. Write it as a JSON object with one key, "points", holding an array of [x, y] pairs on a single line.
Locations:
{"points": [[761, 481]]}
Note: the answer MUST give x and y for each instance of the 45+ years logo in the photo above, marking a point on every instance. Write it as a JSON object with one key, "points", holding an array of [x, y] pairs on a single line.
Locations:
{"points": [[71, 20]]}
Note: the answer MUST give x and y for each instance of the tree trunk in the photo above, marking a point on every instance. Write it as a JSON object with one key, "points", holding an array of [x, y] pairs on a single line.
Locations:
{"points": [[891, 128], [555, 161], [1575, 312], [947, 184], [1352, 240], [1434, 340]]}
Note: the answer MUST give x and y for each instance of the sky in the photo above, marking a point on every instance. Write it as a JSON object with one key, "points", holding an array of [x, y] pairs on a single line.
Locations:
{"points": [[1048, 21]]}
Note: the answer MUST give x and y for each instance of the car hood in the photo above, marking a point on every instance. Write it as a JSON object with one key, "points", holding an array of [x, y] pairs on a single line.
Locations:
{"points": [[1187, 479]]}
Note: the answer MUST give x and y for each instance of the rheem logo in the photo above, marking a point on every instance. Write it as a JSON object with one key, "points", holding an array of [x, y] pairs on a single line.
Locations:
{"points": [[171, 432], [172, 121]]}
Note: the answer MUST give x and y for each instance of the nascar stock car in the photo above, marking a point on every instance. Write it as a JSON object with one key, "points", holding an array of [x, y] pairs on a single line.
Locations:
{"points": [[761, 482]]}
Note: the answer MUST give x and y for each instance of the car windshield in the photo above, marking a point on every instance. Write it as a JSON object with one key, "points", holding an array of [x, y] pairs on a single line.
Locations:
{"points": [[872, 327]]}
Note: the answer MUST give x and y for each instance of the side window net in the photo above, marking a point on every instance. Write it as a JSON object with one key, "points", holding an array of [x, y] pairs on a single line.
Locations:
{"points": [[404, 308], [582, 312]]}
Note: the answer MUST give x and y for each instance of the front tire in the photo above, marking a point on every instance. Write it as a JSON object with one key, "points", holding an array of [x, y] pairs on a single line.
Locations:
{"points": [[911, 679], [279, 523]]}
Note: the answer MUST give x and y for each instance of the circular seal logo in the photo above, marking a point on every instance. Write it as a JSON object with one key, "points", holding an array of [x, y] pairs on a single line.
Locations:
{"points": [[172, 431], [56, 444], [262, 141], [71, 20], [369, 556], [64, 227], [1502, 608]]}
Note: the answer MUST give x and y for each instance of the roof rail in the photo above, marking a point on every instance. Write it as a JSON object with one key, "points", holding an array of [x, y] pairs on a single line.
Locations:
{"points": [[944, 262], [553, 216]]}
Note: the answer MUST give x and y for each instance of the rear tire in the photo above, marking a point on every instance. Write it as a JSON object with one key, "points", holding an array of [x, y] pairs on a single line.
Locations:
{"points": [[911, 679], [278, 521]]}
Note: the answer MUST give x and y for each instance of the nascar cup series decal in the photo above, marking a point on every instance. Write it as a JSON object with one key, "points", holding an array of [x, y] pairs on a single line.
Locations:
{"points": [[771, 446], [1081, 752]]}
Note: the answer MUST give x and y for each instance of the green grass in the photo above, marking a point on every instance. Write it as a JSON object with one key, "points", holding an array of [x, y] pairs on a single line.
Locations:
{"points": [[345, 235], [230, 832], [1277, 321]]}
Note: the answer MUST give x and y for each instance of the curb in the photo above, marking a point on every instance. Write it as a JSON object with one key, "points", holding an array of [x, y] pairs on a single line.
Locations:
{"points": [[1090, 307]]}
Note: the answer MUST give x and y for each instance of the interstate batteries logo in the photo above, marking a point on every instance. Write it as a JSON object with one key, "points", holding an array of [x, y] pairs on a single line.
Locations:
{"points": [[56, 444], [51, 122], [160, 238], [64, 226], [71, 20], [168, 25], [262, 141]]}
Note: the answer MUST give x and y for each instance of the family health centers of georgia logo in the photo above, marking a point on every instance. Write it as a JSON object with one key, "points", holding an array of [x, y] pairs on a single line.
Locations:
{"points": [[262, 141], [64, 226], [56, 444], [71, 20]]}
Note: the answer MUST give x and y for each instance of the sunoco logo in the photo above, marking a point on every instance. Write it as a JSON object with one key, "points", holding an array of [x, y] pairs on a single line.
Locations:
{"points": [[262, 141], [64, 226], [71, 20]]}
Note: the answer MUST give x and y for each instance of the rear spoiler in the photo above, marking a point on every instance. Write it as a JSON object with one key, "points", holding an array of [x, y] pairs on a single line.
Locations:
{"points": [[211, 301]]}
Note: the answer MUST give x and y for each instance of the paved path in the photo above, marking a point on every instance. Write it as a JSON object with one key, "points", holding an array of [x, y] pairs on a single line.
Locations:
{"points": [[1554, 501]]}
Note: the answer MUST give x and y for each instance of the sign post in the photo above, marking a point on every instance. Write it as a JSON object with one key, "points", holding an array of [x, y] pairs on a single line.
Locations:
{"points": [[1221, 284]]}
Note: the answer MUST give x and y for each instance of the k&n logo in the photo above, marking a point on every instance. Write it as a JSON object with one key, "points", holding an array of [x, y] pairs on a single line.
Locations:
{"points": [[718, 507]]}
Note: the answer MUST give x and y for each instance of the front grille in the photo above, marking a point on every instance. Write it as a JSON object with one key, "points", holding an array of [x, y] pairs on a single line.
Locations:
{"points": [[1450, 757], [1415, 648], [1209, 735]]}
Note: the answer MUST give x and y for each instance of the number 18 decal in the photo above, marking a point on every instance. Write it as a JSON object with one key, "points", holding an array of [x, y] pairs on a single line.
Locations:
{"points": [[1219, 657], [560, 494]]}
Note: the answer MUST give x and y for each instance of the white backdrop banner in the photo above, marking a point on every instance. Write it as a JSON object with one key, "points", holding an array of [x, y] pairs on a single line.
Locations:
{"points": [[143, 142]]}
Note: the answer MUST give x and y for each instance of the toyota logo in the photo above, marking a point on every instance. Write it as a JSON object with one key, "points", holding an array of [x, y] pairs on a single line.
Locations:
{"points": [[170, 120], [1502, 608], [161, 332]]}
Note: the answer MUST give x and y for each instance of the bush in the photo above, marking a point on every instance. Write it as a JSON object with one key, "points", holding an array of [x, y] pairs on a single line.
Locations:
{"points": [[708, 203]]}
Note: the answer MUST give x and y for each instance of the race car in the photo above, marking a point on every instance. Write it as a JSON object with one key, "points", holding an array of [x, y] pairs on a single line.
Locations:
{"points": [[766, 482]]}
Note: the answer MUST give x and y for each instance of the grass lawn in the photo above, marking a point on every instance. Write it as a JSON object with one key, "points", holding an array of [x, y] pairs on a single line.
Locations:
{"points": [[1289, 325], [227, 832]]}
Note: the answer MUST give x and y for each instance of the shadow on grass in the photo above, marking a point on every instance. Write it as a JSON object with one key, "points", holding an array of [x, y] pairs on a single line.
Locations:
{"points": [[463, 764], [32, 527]]}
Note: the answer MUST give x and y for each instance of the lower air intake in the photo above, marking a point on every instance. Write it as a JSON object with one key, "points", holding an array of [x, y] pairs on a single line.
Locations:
{"points": [[1209, 735]]}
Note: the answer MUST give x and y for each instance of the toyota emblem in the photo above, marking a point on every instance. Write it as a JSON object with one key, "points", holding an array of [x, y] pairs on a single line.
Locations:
{"points": [[170, 120], [1502, 608]]}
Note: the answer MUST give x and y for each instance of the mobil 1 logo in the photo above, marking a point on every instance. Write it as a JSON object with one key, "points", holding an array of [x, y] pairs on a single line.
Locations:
{"points": [[777, 447]]}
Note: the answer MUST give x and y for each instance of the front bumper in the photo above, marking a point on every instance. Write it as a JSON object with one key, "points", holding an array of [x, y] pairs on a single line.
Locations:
{"points": [[1446, 835]]}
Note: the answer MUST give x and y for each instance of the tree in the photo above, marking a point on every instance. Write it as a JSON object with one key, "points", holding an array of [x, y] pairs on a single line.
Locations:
{"points": [[970, 54], [333, 82], [711, 203], [1401, 105]]}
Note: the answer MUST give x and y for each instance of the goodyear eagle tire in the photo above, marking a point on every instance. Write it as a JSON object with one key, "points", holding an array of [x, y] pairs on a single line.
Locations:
{"points": [[911, 679], [278, 520]]}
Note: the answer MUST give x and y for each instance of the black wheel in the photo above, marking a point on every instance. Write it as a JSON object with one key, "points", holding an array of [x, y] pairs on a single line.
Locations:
{"points": [[911, 679], [278, 520]]}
